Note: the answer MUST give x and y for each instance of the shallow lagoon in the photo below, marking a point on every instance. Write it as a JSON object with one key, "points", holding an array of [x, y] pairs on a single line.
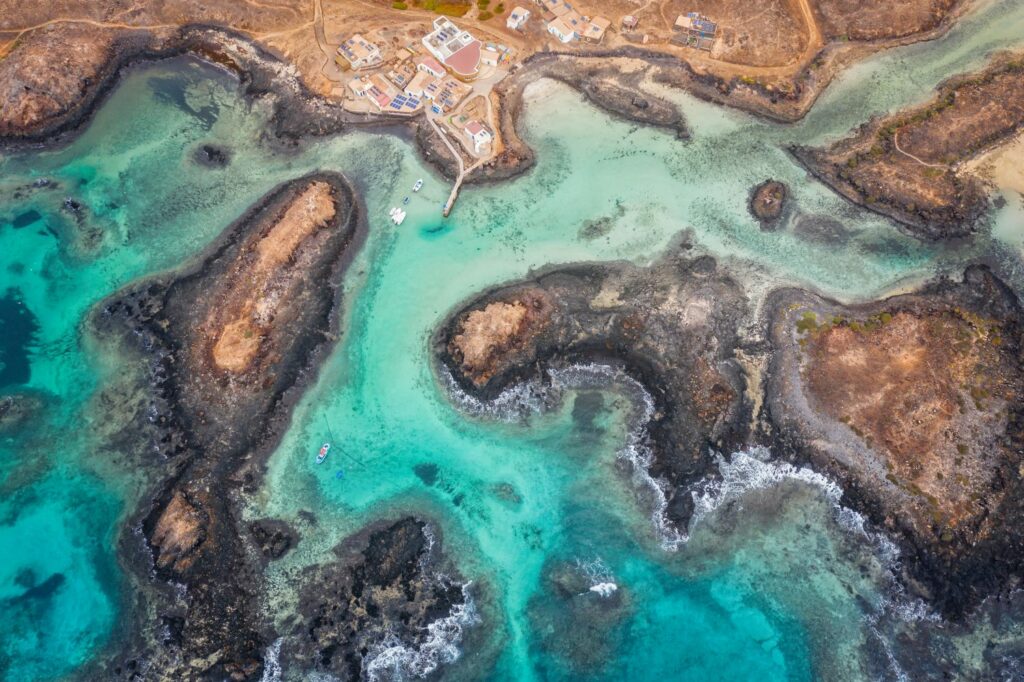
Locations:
{"points": [[774, 583]]}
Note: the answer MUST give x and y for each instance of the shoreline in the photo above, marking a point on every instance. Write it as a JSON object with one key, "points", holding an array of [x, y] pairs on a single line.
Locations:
{"points": [[188, 530], [299, 113], [954, 574]]}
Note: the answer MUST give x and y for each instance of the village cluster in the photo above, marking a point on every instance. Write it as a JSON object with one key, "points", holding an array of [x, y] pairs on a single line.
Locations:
{"points": [[433, 76]]}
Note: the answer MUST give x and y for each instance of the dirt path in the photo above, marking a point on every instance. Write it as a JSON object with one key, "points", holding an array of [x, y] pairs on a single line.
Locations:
{"points": [[896, 144]]}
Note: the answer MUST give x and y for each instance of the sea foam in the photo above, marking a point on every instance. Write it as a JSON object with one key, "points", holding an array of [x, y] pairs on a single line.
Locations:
{"points": [[394, 659]]}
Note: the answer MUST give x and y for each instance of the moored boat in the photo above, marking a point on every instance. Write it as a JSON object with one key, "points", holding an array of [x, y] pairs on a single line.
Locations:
{"points": [[322, 455], [418, 185]]}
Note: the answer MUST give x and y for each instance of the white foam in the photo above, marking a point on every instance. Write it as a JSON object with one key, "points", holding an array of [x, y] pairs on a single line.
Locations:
{"points": [[271, 662], [605, 589], [393, 659]]}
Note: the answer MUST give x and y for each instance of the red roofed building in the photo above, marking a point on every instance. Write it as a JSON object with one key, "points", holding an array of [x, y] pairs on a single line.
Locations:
{"points": [[479, 134], [465, 63], [432, 66]]}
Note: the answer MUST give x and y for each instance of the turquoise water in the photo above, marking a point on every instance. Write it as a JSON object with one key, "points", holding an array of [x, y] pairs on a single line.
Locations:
{"points": [[773, 582]]}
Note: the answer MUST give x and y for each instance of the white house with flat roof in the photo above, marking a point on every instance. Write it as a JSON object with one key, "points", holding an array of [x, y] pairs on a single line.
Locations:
{"points": [[478, 134], [518, 18], [359, 52], [458, 50]]}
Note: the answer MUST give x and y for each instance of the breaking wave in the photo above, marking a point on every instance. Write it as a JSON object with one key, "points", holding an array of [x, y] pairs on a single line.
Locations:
{"points": [[744, 471], [272, 663], [393, 659]]}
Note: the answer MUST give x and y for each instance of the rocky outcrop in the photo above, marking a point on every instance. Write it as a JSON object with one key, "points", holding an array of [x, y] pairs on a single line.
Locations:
{"points": [[671, 326], [231, 341], [905, 166], [45, 77], [389, 608], [914, 405], [768, 202]]}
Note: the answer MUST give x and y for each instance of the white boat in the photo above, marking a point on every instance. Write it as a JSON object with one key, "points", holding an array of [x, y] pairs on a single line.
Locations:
{"points": [[397, 215], [418, 185]]}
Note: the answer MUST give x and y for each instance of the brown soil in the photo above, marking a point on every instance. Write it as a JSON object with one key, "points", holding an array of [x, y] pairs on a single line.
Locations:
{"points": [[179, 531], [49, 74], [488, 340], [252, 301], [770, 33], [872, 20], [921, 389], [906, 165]]}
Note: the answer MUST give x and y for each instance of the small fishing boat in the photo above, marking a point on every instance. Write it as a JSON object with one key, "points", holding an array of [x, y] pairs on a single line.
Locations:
{"points": [[324, 449], [418, 185], [405, 201]]}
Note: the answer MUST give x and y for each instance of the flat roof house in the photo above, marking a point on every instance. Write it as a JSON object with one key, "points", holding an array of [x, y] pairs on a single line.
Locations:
{"points": [[430, 65], [518, 18], [595, 29], [479, 134], [562, 31], [456, 49], [418, 85], [359, 52]]}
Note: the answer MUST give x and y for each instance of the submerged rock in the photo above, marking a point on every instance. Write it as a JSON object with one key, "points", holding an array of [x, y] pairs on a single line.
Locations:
{"points": [[212, 156], [579, 613], [273, 537]]}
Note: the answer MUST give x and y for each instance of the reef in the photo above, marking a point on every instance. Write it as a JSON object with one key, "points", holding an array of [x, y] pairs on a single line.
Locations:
{"points": [[231, 341], [391, 607], [672, 327], [906, 166], [913, 404], [768, 202], [579, 613]]}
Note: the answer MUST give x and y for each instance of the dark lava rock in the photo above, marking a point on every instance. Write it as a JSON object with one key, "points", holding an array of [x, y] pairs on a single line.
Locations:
{"points": [[767, 202], [385, 590], [212, 156], [273, 537], [672, 327]]}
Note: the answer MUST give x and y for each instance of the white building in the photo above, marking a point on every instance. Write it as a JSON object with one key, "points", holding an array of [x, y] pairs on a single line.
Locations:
{"points": [[458, 50], [359, 52], [478, 133], [568, 27], [432, 66], [518, 18], [561, 30]]}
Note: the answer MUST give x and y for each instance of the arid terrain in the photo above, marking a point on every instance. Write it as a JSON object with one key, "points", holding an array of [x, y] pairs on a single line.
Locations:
{"points": [[908, 165], [772, 59], [914, 403]]}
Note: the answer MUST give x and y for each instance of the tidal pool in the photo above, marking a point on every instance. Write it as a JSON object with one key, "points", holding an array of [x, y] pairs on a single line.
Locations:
{"points": [[773, 581]]}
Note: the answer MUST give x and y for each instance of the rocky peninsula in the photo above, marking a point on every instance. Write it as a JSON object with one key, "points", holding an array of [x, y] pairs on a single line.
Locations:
{"points": [[913, 404], [672, 326], [908, 165], [231, 341]]}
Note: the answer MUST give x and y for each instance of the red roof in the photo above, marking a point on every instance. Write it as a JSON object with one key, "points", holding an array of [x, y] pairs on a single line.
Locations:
{"points": [[464, 62], [433, 65]]}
